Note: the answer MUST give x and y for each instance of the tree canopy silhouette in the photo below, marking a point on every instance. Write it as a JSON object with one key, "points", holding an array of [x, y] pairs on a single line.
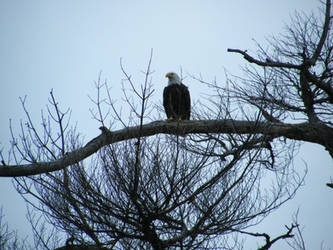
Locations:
{"points": [[151, 183]]}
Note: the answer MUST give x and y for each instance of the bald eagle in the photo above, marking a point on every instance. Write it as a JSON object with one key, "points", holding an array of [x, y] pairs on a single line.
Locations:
{"points": [[176, 99]]}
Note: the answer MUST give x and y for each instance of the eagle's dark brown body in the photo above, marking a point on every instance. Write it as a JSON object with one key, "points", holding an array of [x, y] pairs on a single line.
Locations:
{"points": [[177, 102]]}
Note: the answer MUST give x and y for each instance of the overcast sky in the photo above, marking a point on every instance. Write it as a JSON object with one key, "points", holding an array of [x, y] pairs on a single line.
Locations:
{"points": [[64, 45]]}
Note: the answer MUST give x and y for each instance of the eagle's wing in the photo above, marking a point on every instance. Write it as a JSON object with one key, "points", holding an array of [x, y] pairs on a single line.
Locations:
{"points": [[167, 102], [186, 102]]}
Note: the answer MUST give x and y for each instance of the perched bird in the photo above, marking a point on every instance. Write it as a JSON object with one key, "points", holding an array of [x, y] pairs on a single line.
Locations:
{"points": [[176, 99]]}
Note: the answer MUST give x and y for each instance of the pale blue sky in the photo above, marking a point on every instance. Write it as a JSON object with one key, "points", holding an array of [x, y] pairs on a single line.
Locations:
{"points": [[65, 44]]}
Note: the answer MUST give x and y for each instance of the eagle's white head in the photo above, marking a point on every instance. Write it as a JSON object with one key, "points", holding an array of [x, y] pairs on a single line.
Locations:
{"points": [[173, 78]]}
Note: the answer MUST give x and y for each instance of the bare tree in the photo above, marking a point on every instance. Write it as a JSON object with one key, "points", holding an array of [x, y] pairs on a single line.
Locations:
{"points": [[146, 186], [8, 238], [166, 191], [293, 80]]}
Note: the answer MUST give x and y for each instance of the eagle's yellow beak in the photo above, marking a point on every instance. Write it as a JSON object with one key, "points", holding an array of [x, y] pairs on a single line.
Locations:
{"points": [[168, 75]]}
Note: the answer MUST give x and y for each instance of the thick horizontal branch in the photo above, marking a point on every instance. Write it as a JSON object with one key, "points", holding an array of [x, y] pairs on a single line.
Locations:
{"points": [[267, 63], [329, 185], [301, 131]]}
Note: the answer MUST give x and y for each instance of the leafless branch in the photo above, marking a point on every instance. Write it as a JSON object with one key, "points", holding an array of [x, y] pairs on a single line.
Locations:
{"points": [[302, 131]]}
